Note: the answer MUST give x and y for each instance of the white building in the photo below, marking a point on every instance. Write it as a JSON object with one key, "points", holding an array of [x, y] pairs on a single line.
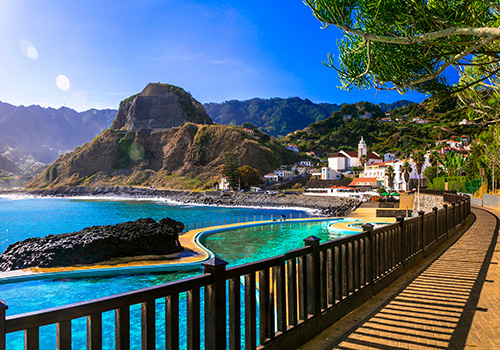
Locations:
{"points": [[271, 178], [284, 174], [293, 148], [330, 174], [304, 163], [377, 171], [224, 184], [345, 160], [389, 157]]}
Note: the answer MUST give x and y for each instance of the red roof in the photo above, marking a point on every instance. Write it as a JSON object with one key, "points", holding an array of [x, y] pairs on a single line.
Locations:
{"points": [[336, 155], [351, 153], [360, 181], [373, 156], [343, 188]]}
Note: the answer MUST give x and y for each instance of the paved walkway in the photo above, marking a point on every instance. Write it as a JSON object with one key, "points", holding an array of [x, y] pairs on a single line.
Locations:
{"points": [[452, 304]]}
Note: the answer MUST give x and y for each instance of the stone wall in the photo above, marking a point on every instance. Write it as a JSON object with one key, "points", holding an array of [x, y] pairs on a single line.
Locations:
{"points": [[427, 202]]}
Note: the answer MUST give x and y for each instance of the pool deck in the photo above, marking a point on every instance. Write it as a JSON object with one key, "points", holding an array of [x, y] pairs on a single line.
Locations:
{"points": [[450, 301]]}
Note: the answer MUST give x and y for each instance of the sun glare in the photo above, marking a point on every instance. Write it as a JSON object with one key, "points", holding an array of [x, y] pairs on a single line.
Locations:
{"points": [[62, 82], [28, 49]]}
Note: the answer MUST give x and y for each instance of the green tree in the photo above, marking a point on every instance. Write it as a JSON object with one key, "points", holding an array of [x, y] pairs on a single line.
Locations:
{"points": [[482, 100], [389, 172], [419, 160], [405, 44], [406, 170], [249, 176], [453, 164], [230, 169], [435, 158]]}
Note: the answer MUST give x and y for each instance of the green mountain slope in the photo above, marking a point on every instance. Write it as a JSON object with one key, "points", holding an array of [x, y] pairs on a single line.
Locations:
{"points": [[344, 128], [275, 116]]}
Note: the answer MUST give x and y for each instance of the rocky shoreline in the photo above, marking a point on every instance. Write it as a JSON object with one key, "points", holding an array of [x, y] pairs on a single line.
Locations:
{"points": [[335, 206], [95, 244]]}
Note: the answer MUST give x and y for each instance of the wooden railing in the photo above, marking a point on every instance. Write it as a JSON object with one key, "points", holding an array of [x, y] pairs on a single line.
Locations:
{"points": [[275, 303]]}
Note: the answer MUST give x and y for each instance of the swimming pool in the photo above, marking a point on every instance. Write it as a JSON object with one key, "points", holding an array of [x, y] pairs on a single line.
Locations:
{"points": [[235, 246]]}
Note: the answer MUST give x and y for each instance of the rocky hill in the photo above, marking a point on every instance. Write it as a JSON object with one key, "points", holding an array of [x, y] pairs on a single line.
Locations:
{"points": [[161, 137]]}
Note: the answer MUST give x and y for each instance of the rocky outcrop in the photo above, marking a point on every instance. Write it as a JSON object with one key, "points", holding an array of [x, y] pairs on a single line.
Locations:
{"points": [[95, 244], [160, 106]]}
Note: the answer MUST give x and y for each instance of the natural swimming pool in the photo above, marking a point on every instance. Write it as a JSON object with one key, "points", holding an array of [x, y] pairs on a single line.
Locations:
{"points": [[235, 246]]}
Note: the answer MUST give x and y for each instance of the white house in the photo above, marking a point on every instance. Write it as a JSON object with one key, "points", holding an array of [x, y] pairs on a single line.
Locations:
{"points": [[330, 174], [224, 184], [271, 178], [377, 171], [389, 156], [304, 162], [284, 174], [293, 148], [345, 160]]}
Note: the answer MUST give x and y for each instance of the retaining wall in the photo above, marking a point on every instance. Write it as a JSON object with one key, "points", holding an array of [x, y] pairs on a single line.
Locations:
{"points": [[491, 200]]}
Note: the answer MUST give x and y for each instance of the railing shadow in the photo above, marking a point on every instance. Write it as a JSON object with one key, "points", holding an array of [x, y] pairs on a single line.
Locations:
{"points": [[436, 309]]}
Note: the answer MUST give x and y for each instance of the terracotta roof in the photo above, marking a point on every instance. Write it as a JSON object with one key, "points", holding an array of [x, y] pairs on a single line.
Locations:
{"points": [[360, 181], [351, 153], [343, 188], [271, 174], [336, 155], [373, 156]]}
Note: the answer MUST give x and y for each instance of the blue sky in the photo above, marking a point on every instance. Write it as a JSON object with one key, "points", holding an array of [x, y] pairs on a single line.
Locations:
{"points": [[217, 50]]}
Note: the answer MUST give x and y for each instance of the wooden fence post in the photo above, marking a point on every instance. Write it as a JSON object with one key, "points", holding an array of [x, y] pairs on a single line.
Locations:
{"points": [[401, 220], [445, 206], [454, 215], [313, 277], [436, 227], [3, 308], [369, 228], [215, 305], [422, 240]]}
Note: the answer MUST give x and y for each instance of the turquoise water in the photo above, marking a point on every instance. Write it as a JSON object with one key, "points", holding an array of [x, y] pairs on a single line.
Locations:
{"points": [[23, 218]]}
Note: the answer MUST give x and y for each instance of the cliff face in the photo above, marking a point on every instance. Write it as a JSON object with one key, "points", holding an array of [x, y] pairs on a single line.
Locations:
{"points": [[159, 106], [185, 156]]}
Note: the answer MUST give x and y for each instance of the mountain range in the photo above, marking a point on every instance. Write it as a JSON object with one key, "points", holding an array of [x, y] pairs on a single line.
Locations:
{"points": [[162, 137], [32, 137]]}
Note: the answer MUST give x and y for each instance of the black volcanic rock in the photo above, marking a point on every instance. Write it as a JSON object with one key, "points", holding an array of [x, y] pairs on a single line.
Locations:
{"points": [[95, 244], [160, 106]]}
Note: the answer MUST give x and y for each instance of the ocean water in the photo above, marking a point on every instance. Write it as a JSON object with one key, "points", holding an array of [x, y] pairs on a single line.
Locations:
{"points": [[21, 218]]}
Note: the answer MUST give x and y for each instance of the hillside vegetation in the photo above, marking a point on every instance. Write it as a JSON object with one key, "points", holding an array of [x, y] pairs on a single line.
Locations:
{"points": [[344, 128]]}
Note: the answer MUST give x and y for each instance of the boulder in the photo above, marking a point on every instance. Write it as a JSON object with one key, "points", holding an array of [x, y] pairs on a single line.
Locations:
{"points": [[95, 244]]}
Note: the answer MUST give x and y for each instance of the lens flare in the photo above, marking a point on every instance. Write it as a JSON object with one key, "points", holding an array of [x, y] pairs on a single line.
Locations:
{"points": [[62, 82], [136, 151], [28, 49]]}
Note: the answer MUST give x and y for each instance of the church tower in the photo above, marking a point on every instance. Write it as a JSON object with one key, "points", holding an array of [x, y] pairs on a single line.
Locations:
{"points": [[362, 149]]}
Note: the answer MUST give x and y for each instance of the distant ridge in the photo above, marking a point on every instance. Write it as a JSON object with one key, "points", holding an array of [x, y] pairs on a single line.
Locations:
{"points": [[275, 116], [33, 136], [279, 116]]}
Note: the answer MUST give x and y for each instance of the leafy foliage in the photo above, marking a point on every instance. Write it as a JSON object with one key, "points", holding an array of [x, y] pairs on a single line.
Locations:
{"points": [[249, 176], [404, 44], [230, 169]]}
